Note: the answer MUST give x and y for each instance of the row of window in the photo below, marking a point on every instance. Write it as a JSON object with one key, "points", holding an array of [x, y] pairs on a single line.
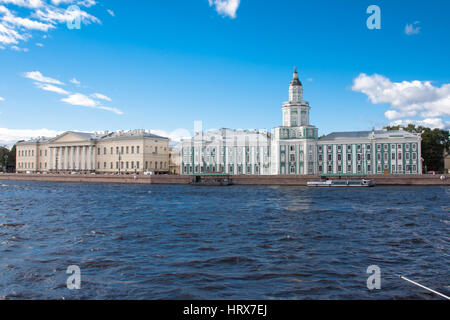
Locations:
{"points": [[359, 147], [26, 153], [408, 156], [122, 149], [26, 165], [394, 169], [134, 165], [220, 169]]}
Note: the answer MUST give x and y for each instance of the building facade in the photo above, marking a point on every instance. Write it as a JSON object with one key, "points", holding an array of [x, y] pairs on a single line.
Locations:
{"points": [[110, 153], [226, 151], [296, 149]]}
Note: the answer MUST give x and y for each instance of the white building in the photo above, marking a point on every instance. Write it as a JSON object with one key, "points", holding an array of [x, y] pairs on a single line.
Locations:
{"points": [[121, 152], [296, 149]]}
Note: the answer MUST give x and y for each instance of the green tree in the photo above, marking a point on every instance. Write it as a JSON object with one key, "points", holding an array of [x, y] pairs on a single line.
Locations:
{"points": [[434, 143]]}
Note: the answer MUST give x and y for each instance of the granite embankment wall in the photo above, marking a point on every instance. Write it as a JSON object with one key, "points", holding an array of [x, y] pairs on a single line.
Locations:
{"points": [[406, 180]]}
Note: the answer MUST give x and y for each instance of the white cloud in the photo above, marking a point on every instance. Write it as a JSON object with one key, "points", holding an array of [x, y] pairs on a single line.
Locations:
{"points": [[175, 136], [75, 99], [406, 98], [225, 7], [16, 48], [79, 99], [52, 88], [2, 99], [111, 109], [37, 76], [38, 15], [111, 12], [101, 97], [430, 123], [413, 28], [75, 81], [11, 136]]}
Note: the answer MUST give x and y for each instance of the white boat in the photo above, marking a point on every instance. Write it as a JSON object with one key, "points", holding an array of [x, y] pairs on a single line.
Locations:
{"points": [[342, 183]]}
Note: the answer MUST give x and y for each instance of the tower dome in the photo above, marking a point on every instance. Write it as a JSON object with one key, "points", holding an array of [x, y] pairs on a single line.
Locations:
{"points": [[295, 89], [295, 80]]}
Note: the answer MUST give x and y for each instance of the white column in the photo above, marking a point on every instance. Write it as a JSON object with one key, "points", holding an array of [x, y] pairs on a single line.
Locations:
{"points": [[66, 158], [94, 158], [77, 158], [83, 158], [51, 164], [90, 158], [58, 167], [71, 159]]}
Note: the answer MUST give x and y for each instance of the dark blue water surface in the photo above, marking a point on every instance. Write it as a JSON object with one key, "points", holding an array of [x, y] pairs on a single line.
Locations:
{"points": [[184, 242]]}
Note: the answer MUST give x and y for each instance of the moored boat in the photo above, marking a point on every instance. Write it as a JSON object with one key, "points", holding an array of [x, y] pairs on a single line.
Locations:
{"points": [[342, 183]]}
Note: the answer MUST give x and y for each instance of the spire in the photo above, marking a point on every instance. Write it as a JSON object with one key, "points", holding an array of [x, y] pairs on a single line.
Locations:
{"points": [[295, 81]]}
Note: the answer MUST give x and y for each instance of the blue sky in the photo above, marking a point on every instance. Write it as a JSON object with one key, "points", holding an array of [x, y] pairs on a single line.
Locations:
{"points": [[162, 65]]}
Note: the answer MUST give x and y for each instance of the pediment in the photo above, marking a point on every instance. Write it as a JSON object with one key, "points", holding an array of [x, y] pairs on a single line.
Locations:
{"points": [[70, 137]]}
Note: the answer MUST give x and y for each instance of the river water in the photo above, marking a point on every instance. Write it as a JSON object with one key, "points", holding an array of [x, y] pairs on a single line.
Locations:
{"points": [[238, 242]]}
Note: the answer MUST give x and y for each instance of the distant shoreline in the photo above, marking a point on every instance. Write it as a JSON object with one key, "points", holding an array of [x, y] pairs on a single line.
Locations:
{"points": [[399, 180]]}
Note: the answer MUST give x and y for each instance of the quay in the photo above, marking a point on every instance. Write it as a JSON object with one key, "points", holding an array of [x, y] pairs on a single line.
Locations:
{"points": [[276, 180]]}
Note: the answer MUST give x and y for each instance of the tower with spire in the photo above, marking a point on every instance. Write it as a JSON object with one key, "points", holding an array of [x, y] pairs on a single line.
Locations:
{"points": [[295, 140]]}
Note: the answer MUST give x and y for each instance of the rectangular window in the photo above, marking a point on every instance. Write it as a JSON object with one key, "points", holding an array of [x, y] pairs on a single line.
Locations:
{"points": [[330, 157], [349, 169], [349, 157], [128, 150], [137, 149], [132, 149], [137, 164]]}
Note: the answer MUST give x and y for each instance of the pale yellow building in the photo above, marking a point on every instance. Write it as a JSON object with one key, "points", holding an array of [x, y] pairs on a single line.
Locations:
{"points": [[137, 151]]}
